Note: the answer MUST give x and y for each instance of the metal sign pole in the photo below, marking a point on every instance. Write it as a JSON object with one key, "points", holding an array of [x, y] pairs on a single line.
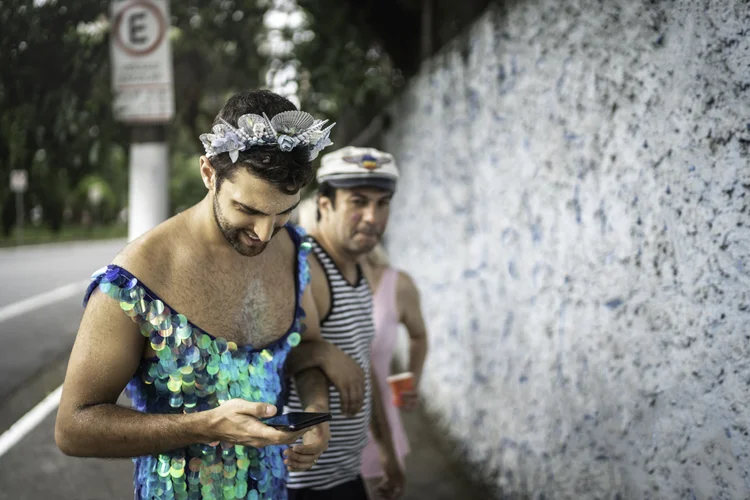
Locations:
{"points": [[19, 217], [19, 182]]}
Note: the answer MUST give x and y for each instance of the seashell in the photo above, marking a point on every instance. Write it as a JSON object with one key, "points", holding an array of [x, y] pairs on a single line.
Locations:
{"points": [[248, 121], [270, 130], [292, 122]]}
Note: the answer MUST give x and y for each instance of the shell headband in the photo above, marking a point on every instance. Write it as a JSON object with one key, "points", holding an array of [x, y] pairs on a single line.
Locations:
{"points": [[287, 130]]}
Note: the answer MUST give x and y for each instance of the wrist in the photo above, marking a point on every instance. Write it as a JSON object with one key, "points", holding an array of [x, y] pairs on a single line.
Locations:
{"points": [[317, 408], [203, 426], [322, 353]]}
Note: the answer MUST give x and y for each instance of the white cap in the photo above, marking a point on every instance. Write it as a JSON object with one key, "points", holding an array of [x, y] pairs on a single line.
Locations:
{"points": [[352, 167]]}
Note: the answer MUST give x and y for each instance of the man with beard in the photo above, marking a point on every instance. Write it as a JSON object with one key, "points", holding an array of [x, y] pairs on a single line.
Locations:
{"points": [[197, 317], [355, 190]]}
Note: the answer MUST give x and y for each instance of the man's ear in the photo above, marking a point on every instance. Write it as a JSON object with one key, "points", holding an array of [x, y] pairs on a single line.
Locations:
{"points": [[208, 174], [324, 206]]}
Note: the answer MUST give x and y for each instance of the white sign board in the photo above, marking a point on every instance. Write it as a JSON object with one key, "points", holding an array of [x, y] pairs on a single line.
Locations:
{"points": [[141, 61], [19, 181]]}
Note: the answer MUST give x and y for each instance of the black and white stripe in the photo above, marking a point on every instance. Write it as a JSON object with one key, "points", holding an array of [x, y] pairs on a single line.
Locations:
{"points": [[348, 325]]}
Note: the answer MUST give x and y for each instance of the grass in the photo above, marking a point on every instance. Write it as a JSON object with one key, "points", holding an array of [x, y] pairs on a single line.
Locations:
{"points": [[38, 235]]}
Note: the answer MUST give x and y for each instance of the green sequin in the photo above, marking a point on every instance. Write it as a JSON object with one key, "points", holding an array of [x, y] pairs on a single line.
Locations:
{"points": [[294, 339], [192, 371]]}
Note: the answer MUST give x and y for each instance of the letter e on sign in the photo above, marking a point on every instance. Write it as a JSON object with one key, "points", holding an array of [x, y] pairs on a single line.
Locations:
{"points": [[139, 28]]}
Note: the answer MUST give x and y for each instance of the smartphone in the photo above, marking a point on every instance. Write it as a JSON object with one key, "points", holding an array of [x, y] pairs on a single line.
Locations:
{"points": [[296, 420]]}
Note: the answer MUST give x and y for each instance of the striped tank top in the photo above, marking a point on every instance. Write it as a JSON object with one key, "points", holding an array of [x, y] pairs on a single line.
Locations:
{"points": [[348, 325]]}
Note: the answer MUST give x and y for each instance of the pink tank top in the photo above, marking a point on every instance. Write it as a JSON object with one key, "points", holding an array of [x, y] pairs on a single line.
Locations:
{"points": [[386, 320]]}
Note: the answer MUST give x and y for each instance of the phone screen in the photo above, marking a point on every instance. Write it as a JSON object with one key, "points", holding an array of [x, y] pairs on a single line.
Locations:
{"points": [[295, 421]]}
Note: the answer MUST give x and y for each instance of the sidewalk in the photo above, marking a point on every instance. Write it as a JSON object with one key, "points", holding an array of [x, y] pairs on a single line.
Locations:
{"points": [[432, 471]]}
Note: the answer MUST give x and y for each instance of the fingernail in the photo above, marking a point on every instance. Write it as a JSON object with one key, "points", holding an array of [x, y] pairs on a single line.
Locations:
{"points": [[270, 410]]}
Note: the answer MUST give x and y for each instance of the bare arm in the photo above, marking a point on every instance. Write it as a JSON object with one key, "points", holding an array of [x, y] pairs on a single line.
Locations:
{"points": [[312, 385], [312, 388], [393, 482], [106, 354], [410, 312]]}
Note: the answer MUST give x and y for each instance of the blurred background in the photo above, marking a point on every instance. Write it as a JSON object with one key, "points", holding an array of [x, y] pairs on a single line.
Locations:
{"points": [[573, 208]]}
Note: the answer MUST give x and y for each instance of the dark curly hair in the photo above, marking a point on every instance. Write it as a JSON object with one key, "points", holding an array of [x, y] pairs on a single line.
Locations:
{"points": [[288, 172]]}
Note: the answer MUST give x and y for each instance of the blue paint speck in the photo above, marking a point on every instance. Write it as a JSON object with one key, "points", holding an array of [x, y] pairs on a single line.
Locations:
{"points": [[536, 233], [614, 303], [692, 167], [508, 324], [512, 269], [728, 433], [470, 273], [523, 379], [571, 137], [473, 107]]}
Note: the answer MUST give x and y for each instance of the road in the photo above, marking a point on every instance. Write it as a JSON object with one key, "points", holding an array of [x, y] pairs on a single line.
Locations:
{"points": [[34, 338]]}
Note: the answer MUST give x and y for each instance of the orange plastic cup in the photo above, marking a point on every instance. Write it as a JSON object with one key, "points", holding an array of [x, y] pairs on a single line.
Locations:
{"points": [[400, 383]]}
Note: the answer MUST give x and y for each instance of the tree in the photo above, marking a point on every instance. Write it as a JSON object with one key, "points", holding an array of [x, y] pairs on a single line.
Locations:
{"points": [[55, 118]]}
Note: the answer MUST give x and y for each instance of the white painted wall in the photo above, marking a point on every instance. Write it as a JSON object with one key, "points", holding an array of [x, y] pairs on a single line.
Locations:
{"points": [[574, 208]]}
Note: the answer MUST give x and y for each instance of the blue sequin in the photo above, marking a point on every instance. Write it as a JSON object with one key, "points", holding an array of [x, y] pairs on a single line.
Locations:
{"points": [[193, 371]]}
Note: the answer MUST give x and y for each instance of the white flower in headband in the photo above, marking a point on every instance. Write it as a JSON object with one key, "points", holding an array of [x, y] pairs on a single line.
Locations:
{"points": [[286, 130]]}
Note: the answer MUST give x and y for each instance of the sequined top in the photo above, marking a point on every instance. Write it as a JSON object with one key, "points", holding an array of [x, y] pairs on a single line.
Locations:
{"points": [[195, 371]]}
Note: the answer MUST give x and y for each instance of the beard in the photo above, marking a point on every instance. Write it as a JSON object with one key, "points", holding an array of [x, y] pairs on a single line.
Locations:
{"points": [[232, 234]]}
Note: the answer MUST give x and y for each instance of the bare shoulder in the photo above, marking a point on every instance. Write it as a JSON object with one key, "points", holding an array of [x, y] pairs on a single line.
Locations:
{"points": [[316, 268], [405, 286], [149, 257], [319, 286]]}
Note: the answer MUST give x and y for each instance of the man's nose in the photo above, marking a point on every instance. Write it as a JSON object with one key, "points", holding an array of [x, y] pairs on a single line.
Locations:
{"points": [[264, 229], [369, 214]]}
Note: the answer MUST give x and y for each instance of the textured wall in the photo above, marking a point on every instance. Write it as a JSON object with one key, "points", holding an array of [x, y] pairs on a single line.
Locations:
{"points": [[574, 207]]}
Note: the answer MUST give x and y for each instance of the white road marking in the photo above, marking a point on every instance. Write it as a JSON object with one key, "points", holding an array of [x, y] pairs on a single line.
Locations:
{"points": [[37, 414], [27, 423], [43, 299]]}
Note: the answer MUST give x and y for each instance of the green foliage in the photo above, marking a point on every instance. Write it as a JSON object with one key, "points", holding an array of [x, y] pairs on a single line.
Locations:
{"points": [[185, 184], [55, 118], [55, 92], [341, 65], [103, 212]]}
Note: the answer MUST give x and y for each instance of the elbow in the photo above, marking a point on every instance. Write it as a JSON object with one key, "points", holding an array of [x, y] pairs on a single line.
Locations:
{"points": [[65, 439]]}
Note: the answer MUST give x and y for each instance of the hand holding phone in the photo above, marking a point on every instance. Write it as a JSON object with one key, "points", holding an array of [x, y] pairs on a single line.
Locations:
{"points": [[298, 420]]}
